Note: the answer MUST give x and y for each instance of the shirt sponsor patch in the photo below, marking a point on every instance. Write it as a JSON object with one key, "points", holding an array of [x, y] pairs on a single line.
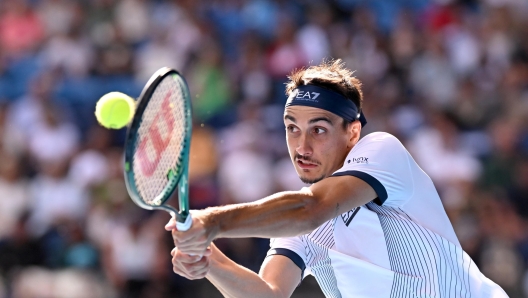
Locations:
{"points": [[358, 160]]}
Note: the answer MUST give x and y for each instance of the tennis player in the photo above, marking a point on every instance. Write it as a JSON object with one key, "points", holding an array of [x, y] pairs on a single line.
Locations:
{"points": [[370, 225]]}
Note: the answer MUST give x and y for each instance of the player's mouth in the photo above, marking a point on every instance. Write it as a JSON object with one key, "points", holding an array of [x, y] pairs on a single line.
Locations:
{"points": [[303, 164]]}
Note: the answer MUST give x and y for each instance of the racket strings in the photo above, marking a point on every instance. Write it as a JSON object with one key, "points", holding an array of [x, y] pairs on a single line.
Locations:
{"points": [[161, 140]]}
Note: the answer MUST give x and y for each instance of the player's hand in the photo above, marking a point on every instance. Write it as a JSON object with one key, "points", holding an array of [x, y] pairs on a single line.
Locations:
{"points": [[190, 267], [198, 238]]}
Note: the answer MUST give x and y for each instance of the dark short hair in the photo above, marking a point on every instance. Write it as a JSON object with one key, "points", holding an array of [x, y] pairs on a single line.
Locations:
{"points": [[330, 74]]}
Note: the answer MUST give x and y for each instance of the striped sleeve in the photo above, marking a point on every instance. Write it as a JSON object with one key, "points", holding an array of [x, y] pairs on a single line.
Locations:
{"points": [[292, 248]]}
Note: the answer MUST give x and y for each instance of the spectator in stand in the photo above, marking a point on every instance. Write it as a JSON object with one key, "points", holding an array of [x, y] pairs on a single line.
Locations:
{"points": [[21, 30]]}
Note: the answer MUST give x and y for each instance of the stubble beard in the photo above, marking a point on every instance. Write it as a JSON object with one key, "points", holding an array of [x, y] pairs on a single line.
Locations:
{"points": [[306, 180], [311, 181]]}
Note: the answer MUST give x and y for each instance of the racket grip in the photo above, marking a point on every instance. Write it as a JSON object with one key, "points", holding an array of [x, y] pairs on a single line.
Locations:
{"points": [[184, 226]]}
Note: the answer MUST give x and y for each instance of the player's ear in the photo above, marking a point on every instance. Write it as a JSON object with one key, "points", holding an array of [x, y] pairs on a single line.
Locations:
{"points": [[354, 131]]}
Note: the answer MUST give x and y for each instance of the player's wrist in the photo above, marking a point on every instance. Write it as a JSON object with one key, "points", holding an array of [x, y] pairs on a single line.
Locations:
{"points": [[216, 262], [211, 222]]}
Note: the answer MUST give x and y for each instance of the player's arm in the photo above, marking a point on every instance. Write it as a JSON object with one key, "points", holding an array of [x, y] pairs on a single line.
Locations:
{"points": [[284, 214], [278, 276]]}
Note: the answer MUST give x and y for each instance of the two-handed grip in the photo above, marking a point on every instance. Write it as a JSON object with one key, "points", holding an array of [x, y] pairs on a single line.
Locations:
{"points": [[184, 226]]}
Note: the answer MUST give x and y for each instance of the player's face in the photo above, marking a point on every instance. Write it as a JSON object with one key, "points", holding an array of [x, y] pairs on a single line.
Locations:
{"points": [[317, 142]]}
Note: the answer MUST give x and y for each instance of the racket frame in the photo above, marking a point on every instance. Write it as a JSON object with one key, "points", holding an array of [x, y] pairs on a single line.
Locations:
{"points": [[179, 177]]}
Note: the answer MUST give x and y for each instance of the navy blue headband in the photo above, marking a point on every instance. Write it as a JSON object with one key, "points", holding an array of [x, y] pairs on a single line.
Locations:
{"points": [[326, 99]]}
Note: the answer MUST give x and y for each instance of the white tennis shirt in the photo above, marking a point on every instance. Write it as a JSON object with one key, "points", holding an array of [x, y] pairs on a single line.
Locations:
{"points": [[402, 244]]}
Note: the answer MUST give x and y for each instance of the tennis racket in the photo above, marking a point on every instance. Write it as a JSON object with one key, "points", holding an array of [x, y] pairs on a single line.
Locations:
{"points": [[157, 146]]}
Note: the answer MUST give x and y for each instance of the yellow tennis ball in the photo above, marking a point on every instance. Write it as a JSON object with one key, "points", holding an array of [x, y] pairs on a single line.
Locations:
{"points": [[115, 110]]}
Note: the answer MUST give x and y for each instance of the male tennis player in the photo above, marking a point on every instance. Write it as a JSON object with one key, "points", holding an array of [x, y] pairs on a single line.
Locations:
{"points": [[370, 225]]}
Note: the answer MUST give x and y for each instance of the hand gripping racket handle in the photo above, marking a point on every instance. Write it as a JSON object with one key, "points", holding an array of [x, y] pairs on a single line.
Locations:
{"points": [[184, 226]]}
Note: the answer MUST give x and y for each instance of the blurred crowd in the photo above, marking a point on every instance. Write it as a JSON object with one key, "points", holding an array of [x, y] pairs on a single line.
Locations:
{"points": [[449, 78]]}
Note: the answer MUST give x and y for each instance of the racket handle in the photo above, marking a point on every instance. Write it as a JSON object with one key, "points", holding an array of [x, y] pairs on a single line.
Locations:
{"points": [[184, 226]]}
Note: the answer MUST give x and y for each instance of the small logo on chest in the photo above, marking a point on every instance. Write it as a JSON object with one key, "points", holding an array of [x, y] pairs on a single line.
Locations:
{"points": [[358, 160]]}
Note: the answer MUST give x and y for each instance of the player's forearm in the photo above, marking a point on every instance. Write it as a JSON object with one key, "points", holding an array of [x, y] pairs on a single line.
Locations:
{"points": [[283, 214], [233, 280]]}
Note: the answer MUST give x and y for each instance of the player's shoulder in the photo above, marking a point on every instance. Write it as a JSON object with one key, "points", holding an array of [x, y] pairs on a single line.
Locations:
{"points": [[381, 139]]}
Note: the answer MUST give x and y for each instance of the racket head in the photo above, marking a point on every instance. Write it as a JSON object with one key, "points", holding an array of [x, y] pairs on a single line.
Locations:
{"points": [[157, 144]]}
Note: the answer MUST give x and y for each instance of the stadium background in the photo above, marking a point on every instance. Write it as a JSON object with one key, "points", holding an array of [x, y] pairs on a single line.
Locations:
{"points": [[447, 77]]}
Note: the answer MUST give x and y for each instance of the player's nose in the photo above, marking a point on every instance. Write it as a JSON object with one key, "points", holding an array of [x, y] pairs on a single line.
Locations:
{"points": [[304, 146]]}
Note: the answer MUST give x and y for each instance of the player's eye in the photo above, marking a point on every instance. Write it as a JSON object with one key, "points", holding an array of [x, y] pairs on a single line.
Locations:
{"points": [[319, 130], [292, 129]]}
